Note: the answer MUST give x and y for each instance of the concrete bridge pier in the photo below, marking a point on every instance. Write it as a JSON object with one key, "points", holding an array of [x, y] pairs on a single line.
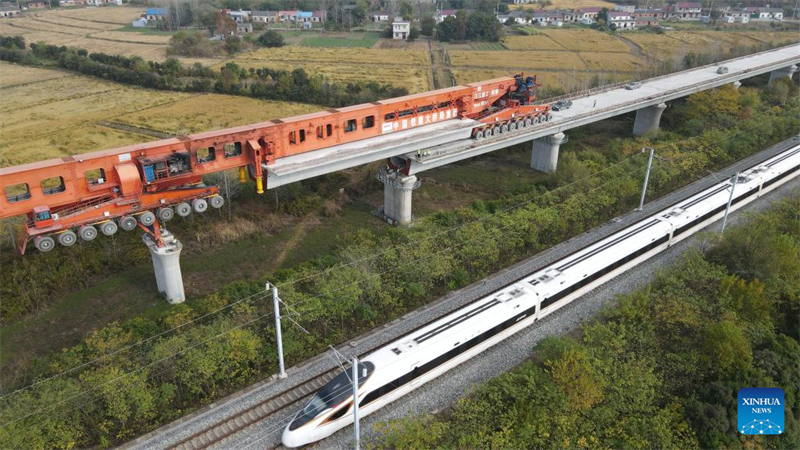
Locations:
{"points": [[167, 266], [647, 119], [544, 155], [784, 72], [397, 188]]}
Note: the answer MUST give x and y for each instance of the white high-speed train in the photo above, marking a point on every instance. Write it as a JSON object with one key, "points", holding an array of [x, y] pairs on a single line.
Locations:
{"points": [[394, 370]]}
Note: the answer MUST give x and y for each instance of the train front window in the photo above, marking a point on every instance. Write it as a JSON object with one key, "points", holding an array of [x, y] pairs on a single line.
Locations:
{"points": [[332, 394]]}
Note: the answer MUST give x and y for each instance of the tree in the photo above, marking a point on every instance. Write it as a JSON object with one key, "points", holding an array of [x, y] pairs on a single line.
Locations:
{"points": [[271, 38], [224, 24], [406, 10], [428, 25], [413, 34], [602, 17]]}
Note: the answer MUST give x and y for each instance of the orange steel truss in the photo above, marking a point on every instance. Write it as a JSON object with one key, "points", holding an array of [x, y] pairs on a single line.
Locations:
{"points": [[69, 192]]}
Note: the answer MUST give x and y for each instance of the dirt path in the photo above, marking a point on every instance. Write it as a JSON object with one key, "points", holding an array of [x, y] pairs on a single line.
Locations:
{"points": [[299, 233], [442, 77]]}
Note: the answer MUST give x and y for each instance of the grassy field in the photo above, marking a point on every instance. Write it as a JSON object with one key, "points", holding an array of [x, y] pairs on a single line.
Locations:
{"points": [[487, 46], [611, 62], [211, 112]]}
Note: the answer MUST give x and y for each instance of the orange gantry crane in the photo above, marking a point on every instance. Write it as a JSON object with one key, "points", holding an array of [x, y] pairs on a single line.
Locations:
{"points": [[138, 185]]}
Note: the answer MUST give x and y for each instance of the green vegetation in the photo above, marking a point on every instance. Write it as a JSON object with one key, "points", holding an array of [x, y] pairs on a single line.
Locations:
{"points": [[271, 38], [659, 370], [231, 79], [367, 280], [487, 46], [478, 26]]}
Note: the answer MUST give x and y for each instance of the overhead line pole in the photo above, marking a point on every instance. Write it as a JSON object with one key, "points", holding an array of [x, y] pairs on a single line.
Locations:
{"points": [[730, 200], [278, 338], [646, 178], [356, 430]]}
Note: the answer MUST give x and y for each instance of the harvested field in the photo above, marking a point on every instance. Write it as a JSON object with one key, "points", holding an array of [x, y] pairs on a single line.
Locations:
{"points": [[658, 46], [57, 114], [122, 15], [419, 44], [531, 43], [584, 40], [338, 55], [211, 112], [566, 4], [364, 40], [516, 60], [399, 67], [137, 38], [612, 62], [772, 37]]}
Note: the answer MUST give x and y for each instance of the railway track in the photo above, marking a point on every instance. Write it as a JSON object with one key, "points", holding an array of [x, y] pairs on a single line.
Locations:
{"points": [[266, 409]]}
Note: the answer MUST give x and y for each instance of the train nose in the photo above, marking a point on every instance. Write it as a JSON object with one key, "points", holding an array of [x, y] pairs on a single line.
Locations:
{"points": [[293, 439]]}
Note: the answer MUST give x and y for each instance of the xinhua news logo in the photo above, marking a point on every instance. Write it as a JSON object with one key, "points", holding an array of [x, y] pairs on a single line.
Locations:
{"points": [[761, 411]]}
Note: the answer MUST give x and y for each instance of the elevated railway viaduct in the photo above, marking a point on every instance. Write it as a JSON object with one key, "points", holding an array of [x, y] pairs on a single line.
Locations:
{"points": [[143, 186]]}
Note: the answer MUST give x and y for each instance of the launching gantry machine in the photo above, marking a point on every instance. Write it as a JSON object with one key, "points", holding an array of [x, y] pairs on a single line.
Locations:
{"points": [[145, 185]]}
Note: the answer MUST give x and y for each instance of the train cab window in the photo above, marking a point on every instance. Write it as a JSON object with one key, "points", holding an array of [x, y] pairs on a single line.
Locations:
{"points": [[425, 108], [302, 135], [444, 105], [292, 137], [390, 116], [320, 132], [329, 129], [350, 125], [405, 112], [368, 122], [17, 192], [53, 185], [44, 215], [233, 149], [205, 155], [95, 176]]}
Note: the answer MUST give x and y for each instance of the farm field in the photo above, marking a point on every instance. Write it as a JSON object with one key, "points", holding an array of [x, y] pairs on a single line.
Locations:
{"points": [[611, 62], [487, 46], [211, 112], [399, 67], [61, 114], [365, 40], [566, 4], [532, 43], [586, 40], [517, 59]]}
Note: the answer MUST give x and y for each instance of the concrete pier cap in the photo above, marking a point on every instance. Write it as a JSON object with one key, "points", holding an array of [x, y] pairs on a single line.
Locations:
{"points": [[167, 266]]}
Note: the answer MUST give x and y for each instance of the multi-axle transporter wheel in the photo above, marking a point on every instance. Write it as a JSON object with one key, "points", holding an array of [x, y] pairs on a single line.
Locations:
{"points": [[44, 243], [200, 205], [147, 218], [87, 232], [183, 209], [479, 135], [67, 238], [216, 201], [165, 214], [109, 228], [127, 223]]}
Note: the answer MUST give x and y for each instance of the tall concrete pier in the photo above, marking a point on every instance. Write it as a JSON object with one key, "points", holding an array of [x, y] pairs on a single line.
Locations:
{"points": [[544, 155], [167, 266], [397, 189], [648, 119]]}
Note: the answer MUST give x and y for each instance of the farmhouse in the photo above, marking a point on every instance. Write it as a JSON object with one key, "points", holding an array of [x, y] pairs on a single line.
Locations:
{"points": [[155, 14], [287, 16], [239, 16], [444, 14], [263, 16], [648, 17], [588, 14], [400, 30], [766, 13], [686, 10], [244, 28], [37, 5], [380, 16], [10, 11], [621, 20]]}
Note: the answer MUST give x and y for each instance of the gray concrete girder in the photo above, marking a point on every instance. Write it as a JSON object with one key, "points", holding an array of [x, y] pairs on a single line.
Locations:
{"points": [[783, 72]]}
